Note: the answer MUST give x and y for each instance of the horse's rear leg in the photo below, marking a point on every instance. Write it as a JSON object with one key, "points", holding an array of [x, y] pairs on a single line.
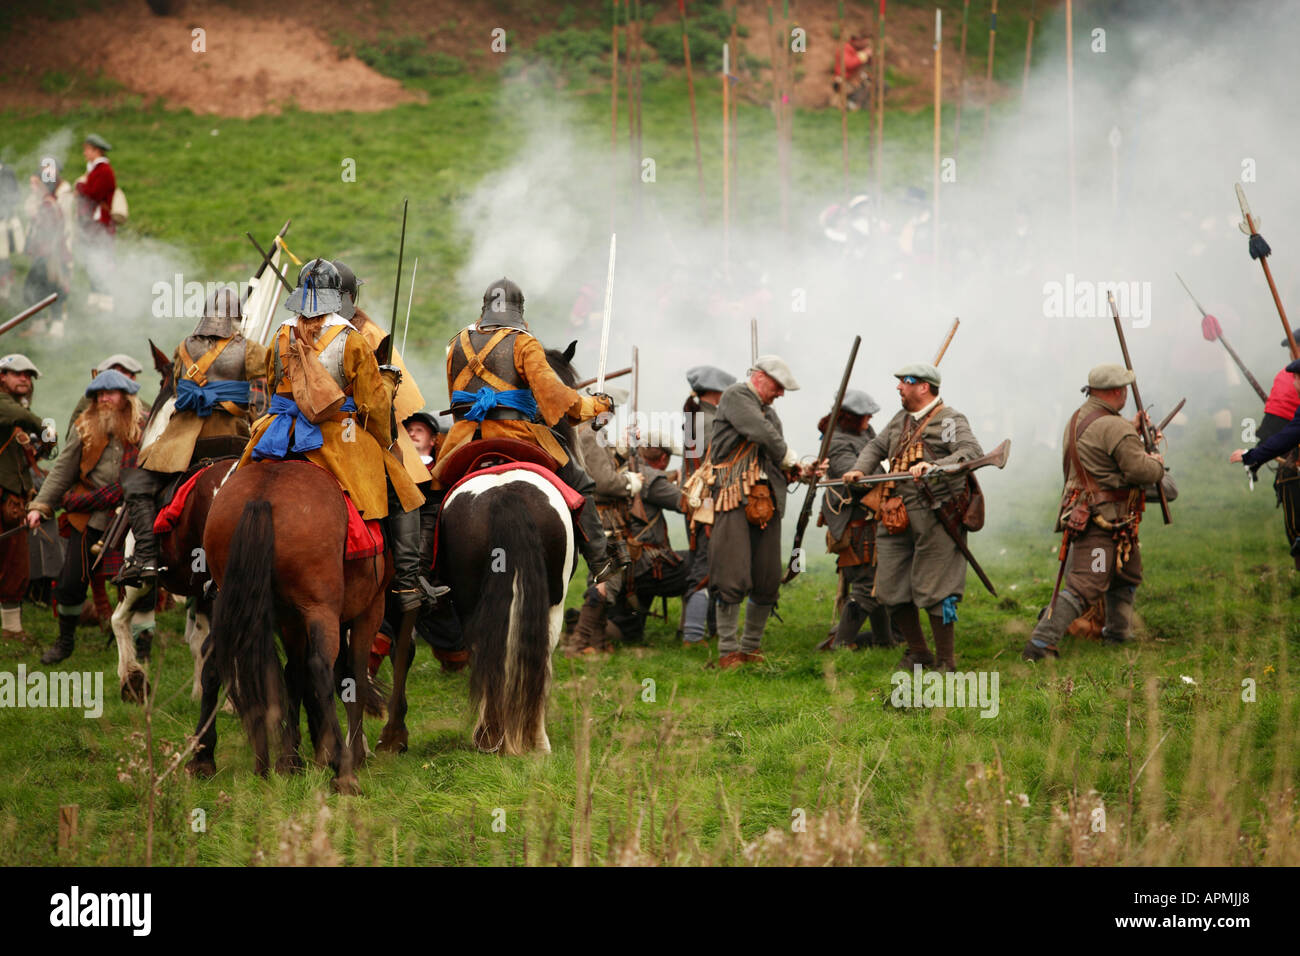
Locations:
{"points": [[203, 763], [322, 648], [295, 683], [131, 676]]}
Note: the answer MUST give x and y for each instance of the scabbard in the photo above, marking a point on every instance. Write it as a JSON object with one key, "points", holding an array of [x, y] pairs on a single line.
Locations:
{"points": [[955, 534]]}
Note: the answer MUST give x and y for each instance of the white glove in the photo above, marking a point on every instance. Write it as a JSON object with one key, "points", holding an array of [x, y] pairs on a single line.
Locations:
{"points": [[790, 459], [49, 431], [634, 483]]}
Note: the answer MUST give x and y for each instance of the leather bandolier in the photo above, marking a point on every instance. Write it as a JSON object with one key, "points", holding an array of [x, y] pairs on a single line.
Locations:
{"points": [[485, 359]]}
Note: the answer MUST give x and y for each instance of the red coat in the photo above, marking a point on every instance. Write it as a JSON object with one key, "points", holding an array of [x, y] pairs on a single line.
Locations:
{"points": [[96, 192], [1283, 400]]}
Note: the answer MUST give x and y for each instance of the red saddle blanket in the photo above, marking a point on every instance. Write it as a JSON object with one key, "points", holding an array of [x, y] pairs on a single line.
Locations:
{"points": [[571, 498], [365, 538]]}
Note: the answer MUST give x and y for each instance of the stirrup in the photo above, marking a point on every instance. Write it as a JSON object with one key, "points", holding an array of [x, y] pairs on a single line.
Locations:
{"points": [[435, 592]]}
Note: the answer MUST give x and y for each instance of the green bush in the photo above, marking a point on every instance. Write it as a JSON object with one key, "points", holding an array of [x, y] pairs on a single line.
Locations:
{"points": [[407, 56]]}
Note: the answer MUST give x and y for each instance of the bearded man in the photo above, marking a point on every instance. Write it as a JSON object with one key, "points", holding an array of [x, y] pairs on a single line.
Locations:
{"points": [[84, 481]]}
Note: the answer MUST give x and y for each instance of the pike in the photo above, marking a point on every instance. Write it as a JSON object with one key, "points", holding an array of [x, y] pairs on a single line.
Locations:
{"points": [[753, 342], [1144, 423], [384, 353], [1211, 330], [1259, 249], [796, 550], [27, 313]]}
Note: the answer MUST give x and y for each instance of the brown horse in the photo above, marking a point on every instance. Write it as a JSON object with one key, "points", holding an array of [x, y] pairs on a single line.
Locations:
{"points": [[274, 542]]}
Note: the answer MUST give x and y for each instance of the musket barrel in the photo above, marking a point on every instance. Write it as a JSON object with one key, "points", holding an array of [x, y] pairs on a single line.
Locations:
{"points": [[27, 313]]}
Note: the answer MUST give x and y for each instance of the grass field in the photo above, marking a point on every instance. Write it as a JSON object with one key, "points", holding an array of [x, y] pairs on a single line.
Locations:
{"points": [[1107, 756]]}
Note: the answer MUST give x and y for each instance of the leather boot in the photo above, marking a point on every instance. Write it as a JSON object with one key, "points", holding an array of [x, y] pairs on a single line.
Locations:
{"points": [[1049, 631], [61, 649], [883, 631], [751, 641], [908, 619], [851, 620], [945, 643], [404, 536], [1119, 614], [142, 566], [589, 635], [594, 545]]}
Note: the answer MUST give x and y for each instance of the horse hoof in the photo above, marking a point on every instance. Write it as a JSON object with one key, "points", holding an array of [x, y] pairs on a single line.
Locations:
{"points": [[392, 744], [135, 688], [347, 787], [201, 768]]}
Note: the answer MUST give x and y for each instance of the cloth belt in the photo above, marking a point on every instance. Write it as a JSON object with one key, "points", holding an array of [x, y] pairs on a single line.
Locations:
{"points": [[486, 399], [200, 399], [274, 442]]}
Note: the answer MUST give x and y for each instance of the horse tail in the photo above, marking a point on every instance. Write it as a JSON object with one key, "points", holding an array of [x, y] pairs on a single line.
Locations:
{"points": [[511, 670], [243, 621]]}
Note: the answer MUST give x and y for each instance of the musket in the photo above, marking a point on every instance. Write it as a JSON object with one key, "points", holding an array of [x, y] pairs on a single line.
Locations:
{"points": [[1260, 250], [796, 548], [997, 458], [1211, 330], [113, 535], [1144, 424], [617, 373], [27, 313], [266, 261], [284, 231], [943, 348], [1164, 422], [383, 354], [753, 342]]}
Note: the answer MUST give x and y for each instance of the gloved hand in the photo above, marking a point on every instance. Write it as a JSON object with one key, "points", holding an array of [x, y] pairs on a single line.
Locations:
{"points": [[790, 459], [603, 402], [392, 374], [634, 482]]}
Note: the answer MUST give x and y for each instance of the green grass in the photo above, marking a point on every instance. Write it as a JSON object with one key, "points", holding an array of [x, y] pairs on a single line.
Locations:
{"points": [[717, 766]]}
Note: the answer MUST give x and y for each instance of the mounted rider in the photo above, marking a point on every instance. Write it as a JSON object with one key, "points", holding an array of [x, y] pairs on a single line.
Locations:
{"points": [[502, 387], [332, 404], [211, 369]]}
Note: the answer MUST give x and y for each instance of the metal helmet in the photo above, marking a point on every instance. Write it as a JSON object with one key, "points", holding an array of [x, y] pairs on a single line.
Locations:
{"points": [[319, 290], [350, 287], [221, 313], [503, 306]]}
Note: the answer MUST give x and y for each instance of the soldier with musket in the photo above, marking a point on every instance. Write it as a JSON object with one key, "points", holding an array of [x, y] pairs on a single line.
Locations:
{"points": [[850, 520], [918, 561], [707, 385], [211, 369], [751, 467], [1107, 476]]}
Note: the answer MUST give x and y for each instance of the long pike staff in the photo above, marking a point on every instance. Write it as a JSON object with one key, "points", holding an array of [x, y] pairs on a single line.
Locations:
{"points": [[1144, 424], [1211, 329], [961, 79], [844, 103], [690, 92], [796, 550], [880, 102], [938, 120], [753, 342], [988, 74], [1259, 249]]}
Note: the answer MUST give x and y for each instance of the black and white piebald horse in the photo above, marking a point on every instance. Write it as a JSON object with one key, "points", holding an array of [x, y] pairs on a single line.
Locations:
{"points": [[506, 548]]}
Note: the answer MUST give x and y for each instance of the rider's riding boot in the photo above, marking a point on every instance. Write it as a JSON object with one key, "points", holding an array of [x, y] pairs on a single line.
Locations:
{"points": [[404, 534], [594, 545], [141, 568]]}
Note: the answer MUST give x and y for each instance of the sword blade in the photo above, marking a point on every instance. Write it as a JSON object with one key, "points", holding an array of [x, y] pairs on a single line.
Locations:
{"points": [[609, 311]]}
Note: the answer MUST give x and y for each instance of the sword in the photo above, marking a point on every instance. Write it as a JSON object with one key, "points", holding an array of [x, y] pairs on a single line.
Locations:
{"points": [[384, 353], [956, 536], [609, 311], [407, 327]]}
